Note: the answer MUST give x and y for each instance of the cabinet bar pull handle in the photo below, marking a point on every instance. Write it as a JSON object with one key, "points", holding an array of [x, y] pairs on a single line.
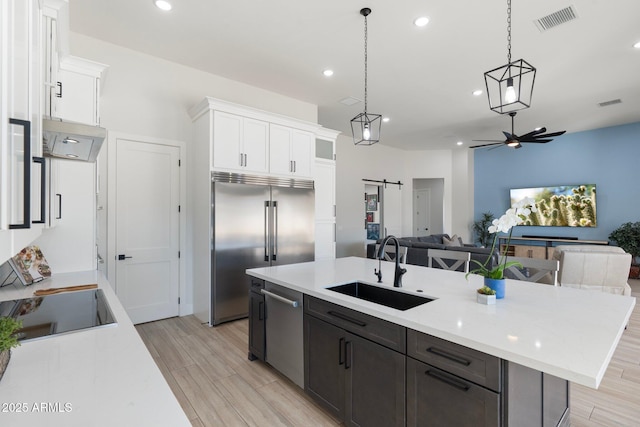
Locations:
{"points": [[43, 193], [261, 310], [346, 318], [266, 230], [245, 159], [341, 351], [449, 356], [241, 160], [448, 380], [59, 206], [347, 355], [26, 140], [292, 303]]}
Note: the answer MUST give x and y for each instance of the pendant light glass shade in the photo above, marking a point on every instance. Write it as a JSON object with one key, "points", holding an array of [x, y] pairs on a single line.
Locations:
{"points": [[510, 87], [365, 127]]}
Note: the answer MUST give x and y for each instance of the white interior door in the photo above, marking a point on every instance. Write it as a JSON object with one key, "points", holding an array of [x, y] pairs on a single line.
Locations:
{"points": [[147, 229], [392, 210], [421, 210]]}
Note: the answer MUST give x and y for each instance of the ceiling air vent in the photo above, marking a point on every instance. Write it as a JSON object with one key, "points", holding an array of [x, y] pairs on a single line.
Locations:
{"points": [[350, 100], [556, 18], [612, 102]]}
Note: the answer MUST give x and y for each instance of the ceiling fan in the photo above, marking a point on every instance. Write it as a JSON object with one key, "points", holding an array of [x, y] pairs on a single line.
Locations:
{"points": [[515, 141]]}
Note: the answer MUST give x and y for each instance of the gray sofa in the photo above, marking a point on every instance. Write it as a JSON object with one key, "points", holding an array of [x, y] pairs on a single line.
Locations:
{"points": [[418, 250]]}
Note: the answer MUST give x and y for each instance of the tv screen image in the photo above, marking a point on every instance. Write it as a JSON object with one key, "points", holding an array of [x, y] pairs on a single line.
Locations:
{"points": [[562, 205]]}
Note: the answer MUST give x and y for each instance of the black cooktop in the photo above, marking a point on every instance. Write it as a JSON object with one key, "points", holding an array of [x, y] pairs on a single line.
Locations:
{"points": [[58, 314]]}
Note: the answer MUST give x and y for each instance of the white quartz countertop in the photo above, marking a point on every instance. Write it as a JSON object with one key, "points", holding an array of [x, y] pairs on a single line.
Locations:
{"points": [[568, 333], [92, 378]]}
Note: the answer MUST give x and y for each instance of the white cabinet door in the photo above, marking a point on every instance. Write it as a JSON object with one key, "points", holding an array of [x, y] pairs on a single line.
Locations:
{"points": [[302, 153], [240, 143], [325, 244], [280, 150], [227, 134], [291, 152], [77, 98], [325, 190], [255, 137], [20, 127]]}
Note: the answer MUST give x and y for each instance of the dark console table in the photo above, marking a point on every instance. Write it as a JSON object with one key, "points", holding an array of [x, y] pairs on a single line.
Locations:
{"points": [[530, 251]]}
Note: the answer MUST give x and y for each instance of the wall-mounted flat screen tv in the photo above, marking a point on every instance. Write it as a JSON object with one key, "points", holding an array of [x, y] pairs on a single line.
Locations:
{"points": [[561, 205]]}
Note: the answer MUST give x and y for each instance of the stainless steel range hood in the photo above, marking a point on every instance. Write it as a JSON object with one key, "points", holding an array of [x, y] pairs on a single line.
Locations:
{"points": [[68, 140]]}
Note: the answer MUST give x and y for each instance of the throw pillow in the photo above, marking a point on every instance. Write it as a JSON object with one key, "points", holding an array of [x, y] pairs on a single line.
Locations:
{"points": [[453, 241]]}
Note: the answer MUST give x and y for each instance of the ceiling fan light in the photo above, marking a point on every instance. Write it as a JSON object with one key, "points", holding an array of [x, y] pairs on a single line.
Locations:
{"points": [[513, 143]]}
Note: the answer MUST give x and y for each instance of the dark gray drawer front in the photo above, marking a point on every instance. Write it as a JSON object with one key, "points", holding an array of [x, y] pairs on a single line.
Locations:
{"points": [[464, 362], [437, 398], [377, 330]]}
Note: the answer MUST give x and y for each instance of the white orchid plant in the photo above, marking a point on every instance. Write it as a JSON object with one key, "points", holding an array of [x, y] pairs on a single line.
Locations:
{"points": [[512, 217]]}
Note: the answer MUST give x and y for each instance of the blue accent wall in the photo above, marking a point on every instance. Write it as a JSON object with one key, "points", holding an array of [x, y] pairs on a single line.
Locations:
{"points": [[608, 157]]}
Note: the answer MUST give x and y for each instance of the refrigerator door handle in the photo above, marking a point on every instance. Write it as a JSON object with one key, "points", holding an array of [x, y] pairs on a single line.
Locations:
{"points": [[266, 230], [275, 230]]}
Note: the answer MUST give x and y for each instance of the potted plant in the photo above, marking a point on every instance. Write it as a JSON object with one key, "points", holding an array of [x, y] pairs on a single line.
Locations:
{"points": [[627, 236], [515, 215], [480, 229], [8, 340], [486, 295]]}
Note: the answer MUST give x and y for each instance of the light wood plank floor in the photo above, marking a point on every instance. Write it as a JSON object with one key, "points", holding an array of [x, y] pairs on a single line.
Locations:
{"points": [[208, 371]]}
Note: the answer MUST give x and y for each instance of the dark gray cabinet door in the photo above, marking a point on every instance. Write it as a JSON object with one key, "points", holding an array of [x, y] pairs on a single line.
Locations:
{"points": [[375, 381], [437, 398], [256, 326], [324, 372]]}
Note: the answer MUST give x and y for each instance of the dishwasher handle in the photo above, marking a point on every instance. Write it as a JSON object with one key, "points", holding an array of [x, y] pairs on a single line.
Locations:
{"points": [[293, 304]]}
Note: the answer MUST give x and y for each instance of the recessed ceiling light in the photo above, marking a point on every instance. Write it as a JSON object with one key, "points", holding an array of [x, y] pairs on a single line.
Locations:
{"points": [[421, 22], [163, 4], [459, 143], [385, 119], [328, 73], [637, 45], [477, 92]]}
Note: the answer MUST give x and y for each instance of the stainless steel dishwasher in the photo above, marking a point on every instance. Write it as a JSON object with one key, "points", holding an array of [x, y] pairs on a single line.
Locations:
{"points": [[284, 331]]}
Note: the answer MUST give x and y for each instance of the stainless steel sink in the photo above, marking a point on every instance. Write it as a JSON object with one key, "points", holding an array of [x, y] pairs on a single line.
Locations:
{"points": [[376, 294]]}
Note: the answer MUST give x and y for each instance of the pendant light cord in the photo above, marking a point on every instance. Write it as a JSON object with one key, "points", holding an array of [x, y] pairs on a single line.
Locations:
{"points": [[365, 64], [508, 31]]}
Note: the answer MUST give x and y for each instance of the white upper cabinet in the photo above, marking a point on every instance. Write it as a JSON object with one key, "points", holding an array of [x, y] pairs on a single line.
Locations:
{"points": [[20, 125], [240, 143], [292, 152], [71, 84]]}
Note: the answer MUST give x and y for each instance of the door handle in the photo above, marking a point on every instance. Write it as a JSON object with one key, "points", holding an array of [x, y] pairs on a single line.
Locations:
{"points": [[122, 257], [266, 230], [275, 227]]}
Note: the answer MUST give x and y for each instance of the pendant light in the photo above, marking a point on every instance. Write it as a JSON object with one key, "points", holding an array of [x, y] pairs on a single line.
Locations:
{"points": [[510, 87], [366, 126]]}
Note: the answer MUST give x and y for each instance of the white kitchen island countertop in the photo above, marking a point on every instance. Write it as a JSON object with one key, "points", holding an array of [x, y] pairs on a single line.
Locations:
{"points": [[91, 378], [568, 333]]}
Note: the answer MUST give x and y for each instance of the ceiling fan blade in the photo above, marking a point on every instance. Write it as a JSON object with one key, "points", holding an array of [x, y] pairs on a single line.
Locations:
{"points": [[488, 140], [510, 136], [487, 145], [551, 135], [533, 133]]}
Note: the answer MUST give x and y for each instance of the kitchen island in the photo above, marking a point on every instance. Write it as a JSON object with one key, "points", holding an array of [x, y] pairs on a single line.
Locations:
{"points": [[97, 377], [538, 333]]}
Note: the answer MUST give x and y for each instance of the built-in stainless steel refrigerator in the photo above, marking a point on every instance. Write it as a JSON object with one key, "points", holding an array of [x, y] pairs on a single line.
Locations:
{"points": [[257, 222]]}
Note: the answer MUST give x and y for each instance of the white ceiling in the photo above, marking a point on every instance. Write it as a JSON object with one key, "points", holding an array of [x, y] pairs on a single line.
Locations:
{"points": [[421, 78]]}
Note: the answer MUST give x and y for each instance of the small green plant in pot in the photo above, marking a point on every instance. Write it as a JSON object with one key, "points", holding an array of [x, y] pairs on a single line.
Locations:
{"points": [[8, 340]]}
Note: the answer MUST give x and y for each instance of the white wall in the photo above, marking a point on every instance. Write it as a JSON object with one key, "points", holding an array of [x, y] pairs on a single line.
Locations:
{"points": [[148, 96]]}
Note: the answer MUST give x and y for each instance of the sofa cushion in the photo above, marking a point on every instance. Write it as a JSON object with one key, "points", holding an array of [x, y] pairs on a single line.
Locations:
{"points": [[428, 239], [453, 241]]}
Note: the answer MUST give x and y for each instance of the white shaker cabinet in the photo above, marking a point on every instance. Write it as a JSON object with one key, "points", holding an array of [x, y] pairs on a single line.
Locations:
{"points": [[325, 194], [292, 152], [240, 143], [20, 125]]}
